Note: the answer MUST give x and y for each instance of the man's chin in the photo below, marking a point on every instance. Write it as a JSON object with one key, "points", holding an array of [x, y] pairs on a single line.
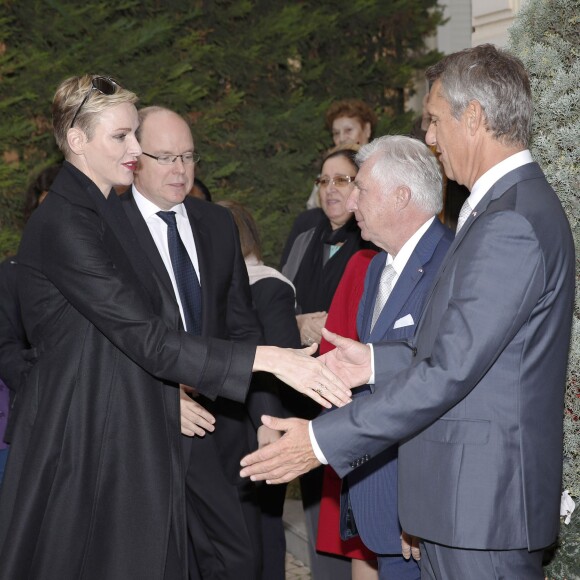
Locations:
{"points": [[365, 235]]}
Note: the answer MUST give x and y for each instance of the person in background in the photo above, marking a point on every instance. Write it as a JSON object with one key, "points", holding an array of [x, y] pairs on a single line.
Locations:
{"points": [[15, 356], [200, 190], [38, 189], [318, 256], [341, 319], [315, 265], [93, 487], [273, 297], [351, 122]]}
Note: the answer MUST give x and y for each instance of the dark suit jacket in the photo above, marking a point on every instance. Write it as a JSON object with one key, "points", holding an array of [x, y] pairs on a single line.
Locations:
{"points": [[95, 479], [373, 487], [480, 410], [226, 313]]}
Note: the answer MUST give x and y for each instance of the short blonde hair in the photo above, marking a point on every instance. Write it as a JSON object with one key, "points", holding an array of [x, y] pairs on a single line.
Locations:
{"points": [[67, 100]]}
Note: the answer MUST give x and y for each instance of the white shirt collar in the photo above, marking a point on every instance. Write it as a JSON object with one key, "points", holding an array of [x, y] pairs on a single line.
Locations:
{"points": [[493, 175], [149, 209], [400, 260]]}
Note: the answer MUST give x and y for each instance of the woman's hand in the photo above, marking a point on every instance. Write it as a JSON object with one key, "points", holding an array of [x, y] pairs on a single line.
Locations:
{"points": [[307, 375], [310, 326]]}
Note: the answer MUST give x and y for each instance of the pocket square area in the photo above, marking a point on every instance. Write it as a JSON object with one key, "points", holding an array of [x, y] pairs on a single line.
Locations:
{"points": [[404, 321]]}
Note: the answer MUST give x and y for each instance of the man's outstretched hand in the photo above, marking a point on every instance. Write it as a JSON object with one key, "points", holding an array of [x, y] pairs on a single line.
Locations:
{"points": [[285, 459], [350, 360]]}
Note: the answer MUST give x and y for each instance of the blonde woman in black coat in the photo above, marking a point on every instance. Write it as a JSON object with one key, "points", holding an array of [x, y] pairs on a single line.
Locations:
{"points": [[94, 486]]}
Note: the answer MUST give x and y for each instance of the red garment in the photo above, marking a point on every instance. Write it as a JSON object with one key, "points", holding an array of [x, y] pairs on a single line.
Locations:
{"points": [[342, 320]]}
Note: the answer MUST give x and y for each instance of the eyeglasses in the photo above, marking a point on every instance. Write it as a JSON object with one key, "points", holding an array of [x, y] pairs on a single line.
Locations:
{"points": [[105, 85], [186, 158], [340, 181]]}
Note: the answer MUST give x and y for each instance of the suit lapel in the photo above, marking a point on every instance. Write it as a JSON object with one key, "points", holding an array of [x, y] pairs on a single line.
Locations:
{"points": [[528, 171], [409, 278], [374, 276], [201, 237]]}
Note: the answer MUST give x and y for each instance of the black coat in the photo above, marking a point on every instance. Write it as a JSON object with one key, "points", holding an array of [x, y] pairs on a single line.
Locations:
{"points": [[14, 347], [95, 477]]}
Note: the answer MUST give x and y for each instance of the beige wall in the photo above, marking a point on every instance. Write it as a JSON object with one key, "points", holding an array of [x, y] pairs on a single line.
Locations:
{"points": [[471, 22], [491, 20]]}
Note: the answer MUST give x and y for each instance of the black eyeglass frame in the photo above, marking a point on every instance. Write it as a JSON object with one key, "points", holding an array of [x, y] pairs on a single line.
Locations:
{"points": [[105, 86], [195, 157]]}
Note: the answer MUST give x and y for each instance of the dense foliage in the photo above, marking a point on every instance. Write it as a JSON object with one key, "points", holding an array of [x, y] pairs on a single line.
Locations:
{"points": [[546, 36], [253, 76]]}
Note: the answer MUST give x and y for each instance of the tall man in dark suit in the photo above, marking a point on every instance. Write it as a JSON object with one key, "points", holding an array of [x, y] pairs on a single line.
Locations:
{"points": [[223, 516], [396, 201], [479, 412]]}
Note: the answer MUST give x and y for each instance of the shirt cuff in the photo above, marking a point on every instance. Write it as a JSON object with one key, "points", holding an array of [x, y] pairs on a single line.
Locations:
{"points": [[315, 446], [372, 379]]}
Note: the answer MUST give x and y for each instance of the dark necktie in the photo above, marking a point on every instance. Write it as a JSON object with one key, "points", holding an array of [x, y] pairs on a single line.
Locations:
{"points": [[185, 275]]}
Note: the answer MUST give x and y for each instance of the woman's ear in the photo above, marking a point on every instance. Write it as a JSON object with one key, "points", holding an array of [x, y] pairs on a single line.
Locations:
{"points": [[76, 140], [367, 131]]}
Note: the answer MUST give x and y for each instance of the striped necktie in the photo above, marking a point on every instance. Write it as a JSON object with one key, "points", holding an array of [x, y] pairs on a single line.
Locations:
{"points": [[385, 287]]}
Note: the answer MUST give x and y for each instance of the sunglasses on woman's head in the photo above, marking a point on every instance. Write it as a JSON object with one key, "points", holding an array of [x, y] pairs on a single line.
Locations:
{"points": [[105, 85]]}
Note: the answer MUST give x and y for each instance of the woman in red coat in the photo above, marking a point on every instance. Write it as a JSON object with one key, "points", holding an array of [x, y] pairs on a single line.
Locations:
{"points": [[342, 320]]}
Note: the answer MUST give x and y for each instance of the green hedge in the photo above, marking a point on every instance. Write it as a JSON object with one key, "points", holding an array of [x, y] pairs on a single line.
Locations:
{"points": [[253, 76]]}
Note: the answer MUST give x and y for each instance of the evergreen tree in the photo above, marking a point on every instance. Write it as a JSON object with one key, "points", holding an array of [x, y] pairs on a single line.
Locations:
{"points": [[253, 76], [546, 37]]}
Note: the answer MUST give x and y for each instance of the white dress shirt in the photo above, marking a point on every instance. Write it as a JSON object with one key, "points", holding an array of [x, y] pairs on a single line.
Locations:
{"points": [[158, 229]]}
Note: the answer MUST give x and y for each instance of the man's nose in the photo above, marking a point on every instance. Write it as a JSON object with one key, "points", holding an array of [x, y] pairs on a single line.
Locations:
{"points": [[178, 165], [351, 200], [430, 137]]}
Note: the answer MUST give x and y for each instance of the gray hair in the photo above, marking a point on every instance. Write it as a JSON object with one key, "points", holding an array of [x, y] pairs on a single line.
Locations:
{"points": [[494, 78], [406, 161]]}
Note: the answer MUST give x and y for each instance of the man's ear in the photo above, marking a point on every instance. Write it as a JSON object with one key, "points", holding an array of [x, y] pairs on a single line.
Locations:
{"points": [[402, 197], [76, 140], [475, 116]]}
